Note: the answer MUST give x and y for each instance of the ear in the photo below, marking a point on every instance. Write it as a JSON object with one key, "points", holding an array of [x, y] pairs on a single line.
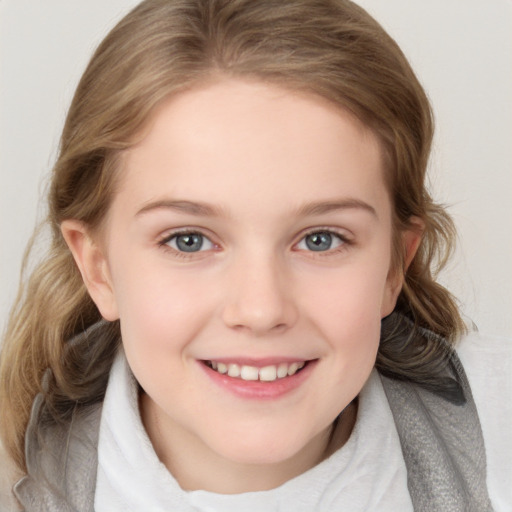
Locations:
{"points": [[410, 242], [93, 266], [411, 239]]}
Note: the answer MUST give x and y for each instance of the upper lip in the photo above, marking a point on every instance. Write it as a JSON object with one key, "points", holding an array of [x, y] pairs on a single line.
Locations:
{"points": [[259, 362]]}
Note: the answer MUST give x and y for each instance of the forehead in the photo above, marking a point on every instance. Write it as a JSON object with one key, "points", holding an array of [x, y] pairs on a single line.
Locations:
{"points": [[233, 142]]}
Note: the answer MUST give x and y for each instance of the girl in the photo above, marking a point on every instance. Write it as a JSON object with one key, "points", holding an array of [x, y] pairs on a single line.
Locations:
{"points": [[238, 309]]}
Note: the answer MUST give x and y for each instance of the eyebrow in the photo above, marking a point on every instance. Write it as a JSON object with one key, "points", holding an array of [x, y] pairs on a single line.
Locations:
{"points": [[208, 210], [322, 207], [190, 207]]}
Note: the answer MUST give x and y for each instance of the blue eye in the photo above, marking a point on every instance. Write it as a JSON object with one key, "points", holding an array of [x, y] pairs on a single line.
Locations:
{"points": [[320, 241], [189, 242]]}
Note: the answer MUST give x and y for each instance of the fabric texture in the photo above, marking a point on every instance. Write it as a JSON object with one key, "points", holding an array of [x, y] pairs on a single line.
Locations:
{"points": [[61, 463], [488, 364], [8, 475], [443, 474], [441, 441]]}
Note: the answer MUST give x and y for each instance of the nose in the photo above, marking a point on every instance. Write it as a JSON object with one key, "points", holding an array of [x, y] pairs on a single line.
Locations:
{"points": [[260, 298]]}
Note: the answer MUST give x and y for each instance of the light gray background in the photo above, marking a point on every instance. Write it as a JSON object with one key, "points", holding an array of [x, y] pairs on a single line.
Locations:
{"points": [[461, 50]]}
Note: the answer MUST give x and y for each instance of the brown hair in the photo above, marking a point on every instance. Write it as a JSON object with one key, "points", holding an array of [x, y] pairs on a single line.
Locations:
{"points": [[331, 48]]}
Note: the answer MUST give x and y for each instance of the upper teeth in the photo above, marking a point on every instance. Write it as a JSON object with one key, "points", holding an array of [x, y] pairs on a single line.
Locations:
{"points": [[267, 373]]}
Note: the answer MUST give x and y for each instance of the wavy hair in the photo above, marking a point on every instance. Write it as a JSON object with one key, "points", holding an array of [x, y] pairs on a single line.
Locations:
{"points": [[330, 48]]}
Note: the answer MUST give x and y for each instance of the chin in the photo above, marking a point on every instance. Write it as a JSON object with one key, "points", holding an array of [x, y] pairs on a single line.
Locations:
{"points": [[271, 448]]}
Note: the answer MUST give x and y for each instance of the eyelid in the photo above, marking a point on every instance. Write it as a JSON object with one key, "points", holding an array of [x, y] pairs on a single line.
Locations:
{"points": [[163, 241], [341, 233], [345, 238]]}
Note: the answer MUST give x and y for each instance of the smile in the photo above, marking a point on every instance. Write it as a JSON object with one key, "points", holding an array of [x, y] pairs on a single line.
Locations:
{"points": [[268, 373]]}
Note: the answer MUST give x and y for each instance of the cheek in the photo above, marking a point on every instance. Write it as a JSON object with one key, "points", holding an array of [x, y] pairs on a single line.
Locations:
{"points": [[347, 317], [351, 296], [348, 313], [160, 317], [157, 307]]}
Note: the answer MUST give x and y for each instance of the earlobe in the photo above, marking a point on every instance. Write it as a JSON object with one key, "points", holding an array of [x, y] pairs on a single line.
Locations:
{"points": [[92, 265]]}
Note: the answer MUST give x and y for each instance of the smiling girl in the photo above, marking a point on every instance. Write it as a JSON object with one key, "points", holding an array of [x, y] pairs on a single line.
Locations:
{"points": [[238, 310]]}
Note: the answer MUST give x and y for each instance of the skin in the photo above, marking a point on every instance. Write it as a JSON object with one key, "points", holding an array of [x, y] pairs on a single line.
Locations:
{"points": [[271, 166]]}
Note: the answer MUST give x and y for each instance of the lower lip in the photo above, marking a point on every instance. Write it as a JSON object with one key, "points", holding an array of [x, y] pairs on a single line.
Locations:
{"points": [[258, 390]]}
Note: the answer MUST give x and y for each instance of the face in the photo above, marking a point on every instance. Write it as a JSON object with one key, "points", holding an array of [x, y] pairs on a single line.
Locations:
{"points": [[250, 238]]}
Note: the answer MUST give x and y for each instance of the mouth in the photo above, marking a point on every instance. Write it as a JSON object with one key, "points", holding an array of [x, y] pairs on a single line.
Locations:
{"points": [[268, 373], [259, 380]]}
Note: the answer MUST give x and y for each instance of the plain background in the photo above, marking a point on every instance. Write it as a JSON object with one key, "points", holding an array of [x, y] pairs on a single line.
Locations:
{"points": [[460, 49]]}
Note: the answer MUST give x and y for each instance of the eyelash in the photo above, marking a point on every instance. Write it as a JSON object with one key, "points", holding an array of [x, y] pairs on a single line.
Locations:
{"points": [[344, 245], [346, 242], [163, 243]]}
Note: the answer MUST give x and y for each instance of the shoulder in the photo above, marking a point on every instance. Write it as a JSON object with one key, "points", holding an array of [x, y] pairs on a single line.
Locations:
{"points": [[61, 461], [475, 345], [8, 476], [487, 361]]}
